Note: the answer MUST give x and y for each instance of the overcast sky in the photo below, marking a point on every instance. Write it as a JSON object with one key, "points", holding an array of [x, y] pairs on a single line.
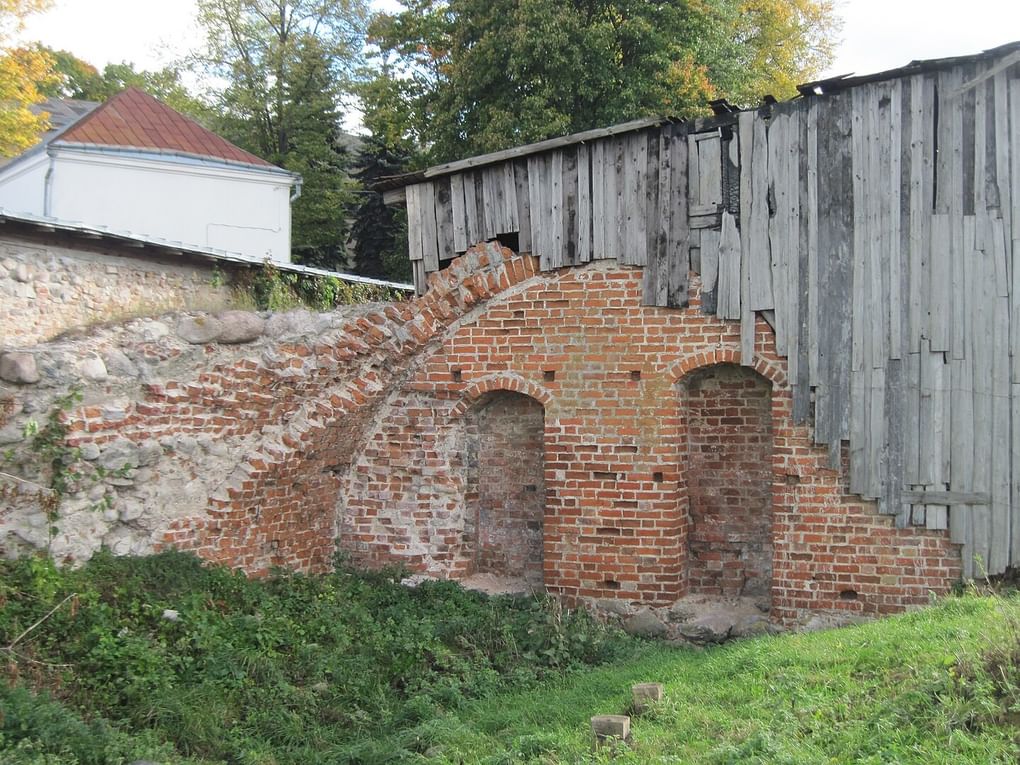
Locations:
{"points": [[877, 34]]}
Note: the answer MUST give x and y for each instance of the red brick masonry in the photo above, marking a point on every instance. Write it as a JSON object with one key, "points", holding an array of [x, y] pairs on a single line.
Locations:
{"points": [[666, 467]]}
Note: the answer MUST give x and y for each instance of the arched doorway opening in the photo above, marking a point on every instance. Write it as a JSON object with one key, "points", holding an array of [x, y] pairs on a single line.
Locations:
{"points": [[728, 468], [505, 491]]}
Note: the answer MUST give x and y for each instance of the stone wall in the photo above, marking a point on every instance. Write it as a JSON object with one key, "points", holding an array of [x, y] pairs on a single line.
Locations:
{"points": [[357, 428], [49, 285]]}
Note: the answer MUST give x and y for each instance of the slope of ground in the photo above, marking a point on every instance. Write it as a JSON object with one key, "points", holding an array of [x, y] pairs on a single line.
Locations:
{"points": [[161, 658]]}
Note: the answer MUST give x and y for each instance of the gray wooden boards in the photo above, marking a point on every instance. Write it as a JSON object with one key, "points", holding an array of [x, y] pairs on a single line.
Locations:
{"points": [[875, 228]]}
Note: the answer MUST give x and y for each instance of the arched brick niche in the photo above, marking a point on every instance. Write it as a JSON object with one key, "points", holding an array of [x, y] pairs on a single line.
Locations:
{"points": [[505, 485], [727, 462]]}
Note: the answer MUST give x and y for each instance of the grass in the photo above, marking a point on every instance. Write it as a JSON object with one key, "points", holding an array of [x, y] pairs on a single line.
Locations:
{"points": [[353, 668], [917, 688]]}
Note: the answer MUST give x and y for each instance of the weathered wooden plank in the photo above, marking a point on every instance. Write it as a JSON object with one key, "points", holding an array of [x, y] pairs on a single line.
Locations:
{"points": [[727, 244], [539, 207], [1014, 544], [584, 203], [835, 276], [778, 223], [863, 226], [812, 241], [999, 533], [679, 246], [472, 215], [710, 169], [418, 272], [922, 105], [912, 421], [655, 224], [792, 257], [946, 497], [429, 230], [568, 210], [460, 240], [444, 220], [414, 244], [490, 179], [894, 210], [529, 150], [599, 202], [693, 173], [1014, 160], [1006, 148], [754, 194], [554, 180], [618, 219], [511, 214], [656, 275], [940, 273], [634, 202], [523, 193]]}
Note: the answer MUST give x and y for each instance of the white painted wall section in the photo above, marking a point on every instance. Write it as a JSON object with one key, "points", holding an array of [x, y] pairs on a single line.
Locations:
{"points": [[197, 203]]}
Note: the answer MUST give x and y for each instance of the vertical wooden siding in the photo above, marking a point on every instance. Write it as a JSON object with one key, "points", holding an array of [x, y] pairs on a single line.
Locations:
{"points": [[874, 228]]}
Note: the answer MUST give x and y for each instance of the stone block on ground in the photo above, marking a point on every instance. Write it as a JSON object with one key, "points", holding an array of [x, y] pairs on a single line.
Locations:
{"points": [[645, 695], [610, 728]]}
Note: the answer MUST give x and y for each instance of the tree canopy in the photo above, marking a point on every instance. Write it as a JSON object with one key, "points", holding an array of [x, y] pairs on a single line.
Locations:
{"points": [[280, 71], [480, 75], [22, 72]]}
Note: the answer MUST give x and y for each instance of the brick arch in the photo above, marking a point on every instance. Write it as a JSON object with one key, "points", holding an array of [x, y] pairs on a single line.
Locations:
{"points": [[500, 381], [695, 361]]}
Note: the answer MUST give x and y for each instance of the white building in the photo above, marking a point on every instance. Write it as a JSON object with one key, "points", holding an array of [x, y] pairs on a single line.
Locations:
{"points": [[135, 165]]}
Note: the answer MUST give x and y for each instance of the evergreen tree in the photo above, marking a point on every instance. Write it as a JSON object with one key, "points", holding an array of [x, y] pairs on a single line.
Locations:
{"points": [[286, 66], [379, 231]]}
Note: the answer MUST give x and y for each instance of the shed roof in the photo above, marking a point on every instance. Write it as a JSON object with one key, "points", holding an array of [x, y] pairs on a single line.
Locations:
{"points": [[1009, 53]]}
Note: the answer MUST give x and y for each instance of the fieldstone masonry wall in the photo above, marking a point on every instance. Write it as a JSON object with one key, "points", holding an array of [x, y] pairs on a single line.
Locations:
{"points": [[357, 427], [47, 287]]}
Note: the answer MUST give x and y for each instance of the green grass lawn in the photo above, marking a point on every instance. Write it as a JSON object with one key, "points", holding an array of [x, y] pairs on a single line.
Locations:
{"points": [[354, 668], [908, 689]]}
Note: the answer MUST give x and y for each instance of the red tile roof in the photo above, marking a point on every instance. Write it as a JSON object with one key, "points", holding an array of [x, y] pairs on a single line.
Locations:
{"points": [[134, 119]]}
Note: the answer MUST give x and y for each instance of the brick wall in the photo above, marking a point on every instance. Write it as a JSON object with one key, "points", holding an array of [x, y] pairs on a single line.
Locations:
{"points": [[48, 285], [728, 462], [361, 435], [505, 493]]}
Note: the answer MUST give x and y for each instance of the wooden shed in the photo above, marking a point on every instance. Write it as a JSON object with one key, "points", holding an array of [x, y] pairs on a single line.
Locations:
{"points": [[873, 221]]}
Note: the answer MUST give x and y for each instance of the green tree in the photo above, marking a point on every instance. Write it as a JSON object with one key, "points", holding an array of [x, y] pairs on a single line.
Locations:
{"points": [[285, 68], [481, 75], [76, 78], [379, 231], [23, 71]]}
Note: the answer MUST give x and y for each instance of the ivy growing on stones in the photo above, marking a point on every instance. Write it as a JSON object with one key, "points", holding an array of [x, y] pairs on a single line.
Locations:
{"points": [[59, 463]]}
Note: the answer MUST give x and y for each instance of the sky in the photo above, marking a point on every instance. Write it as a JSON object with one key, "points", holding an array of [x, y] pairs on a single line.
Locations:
{"points": [[877, 34]]}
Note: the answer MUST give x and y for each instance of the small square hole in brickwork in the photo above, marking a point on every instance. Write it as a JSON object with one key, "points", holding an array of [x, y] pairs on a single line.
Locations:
{"points": [[657, 476], [549, 375], [611, 584], [457, 375], [848, 595], [792, 480], [635, 374], [531, 487], [518, 314]]}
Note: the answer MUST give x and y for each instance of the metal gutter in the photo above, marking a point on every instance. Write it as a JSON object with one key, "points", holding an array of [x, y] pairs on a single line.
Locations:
{"points": [[164, 246]]}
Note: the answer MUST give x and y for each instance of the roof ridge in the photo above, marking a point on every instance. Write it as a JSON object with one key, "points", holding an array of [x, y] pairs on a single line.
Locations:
{"points": [[134, 118]]}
